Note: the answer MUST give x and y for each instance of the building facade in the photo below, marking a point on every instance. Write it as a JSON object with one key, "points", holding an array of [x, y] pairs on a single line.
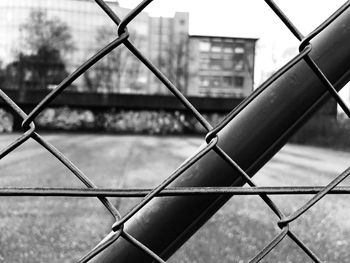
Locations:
{"points": [[169, 42], [91, 29], [196, 65], [221, 66]]}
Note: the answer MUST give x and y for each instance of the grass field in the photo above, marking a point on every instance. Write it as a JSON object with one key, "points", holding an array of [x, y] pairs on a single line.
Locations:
{"points": [[63, 229]]}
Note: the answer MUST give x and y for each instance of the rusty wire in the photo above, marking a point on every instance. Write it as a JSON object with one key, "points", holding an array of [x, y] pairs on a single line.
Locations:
{"points": [[212, 138]]}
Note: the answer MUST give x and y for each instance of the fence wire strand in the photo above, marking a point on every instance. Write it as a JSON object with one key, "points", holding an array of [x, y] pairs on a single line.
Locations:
{"points": [[29, 131]]}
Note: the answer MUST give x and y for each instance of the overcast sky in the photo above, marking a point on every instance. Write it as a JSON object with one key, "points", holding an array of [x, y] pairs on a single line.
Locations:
{"points": [[250, 18]]}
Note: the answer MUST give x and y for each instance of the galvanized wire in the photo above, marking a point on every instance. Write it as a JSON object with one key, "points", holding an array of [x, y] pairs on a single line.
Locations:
{"points": [[171, 191], [29, 131]]}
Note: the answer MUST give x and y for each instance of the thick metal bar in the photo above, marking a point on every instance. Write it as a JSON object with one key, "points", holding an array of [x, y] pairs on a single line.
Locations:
{"points": [[256, 133]]}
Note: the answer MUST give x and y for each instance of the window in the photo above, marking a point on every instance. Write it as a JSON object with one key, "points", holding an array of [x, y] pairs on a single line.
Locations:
{"points": [[239, 50], [204, 46], [239, 53], [216, 48], [239, 65], [239, 81], [228, 81], [215, 63], [216, 81], [228, 64], [204, 63], [215, 56], [228, 49], [204, 82]]}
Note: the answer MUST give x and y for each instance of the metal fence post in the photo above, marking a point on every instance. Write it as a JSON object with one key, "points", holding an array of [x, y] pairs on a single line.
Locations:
{"points": [[256, 133]]}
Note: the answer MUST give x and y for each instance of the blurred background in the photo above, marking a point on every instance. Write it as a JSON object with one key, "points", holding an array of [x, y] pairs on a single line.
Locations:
{"points": [[215, 55]]}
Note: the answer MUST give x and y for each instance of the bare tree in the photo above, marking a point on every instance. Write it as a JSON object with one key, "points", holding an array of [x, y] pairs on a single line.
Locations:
{"points": [[39, 61], [174, 62], [40, 31], [118, 70]]}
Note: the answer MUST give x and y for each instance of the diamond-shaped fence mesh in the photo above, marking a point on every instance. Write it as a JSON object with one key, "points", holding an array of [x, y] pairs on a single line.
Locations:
{"points": [[118, 229]]}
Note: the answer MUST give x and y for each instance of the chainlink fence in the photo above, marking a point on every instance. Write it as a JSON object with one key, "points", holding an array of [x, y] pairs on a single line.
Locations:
{"points": [[118, 231]]}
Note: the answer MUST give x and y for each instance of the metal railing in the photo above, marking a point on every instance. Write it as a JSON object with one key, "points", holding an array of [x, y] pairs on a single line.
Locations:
{"points": [[125, 232]]}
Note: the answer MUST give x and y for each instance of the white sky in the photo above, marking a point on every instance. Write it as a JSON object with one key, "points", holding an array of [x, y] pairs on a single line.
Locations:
{"points": [[250, 18]]}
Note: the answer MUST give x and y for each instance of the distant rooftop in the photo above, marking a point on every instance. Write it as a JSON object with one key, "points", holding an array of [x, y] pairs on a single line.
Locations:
{"points": [[107, 1], [224, 37]]}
